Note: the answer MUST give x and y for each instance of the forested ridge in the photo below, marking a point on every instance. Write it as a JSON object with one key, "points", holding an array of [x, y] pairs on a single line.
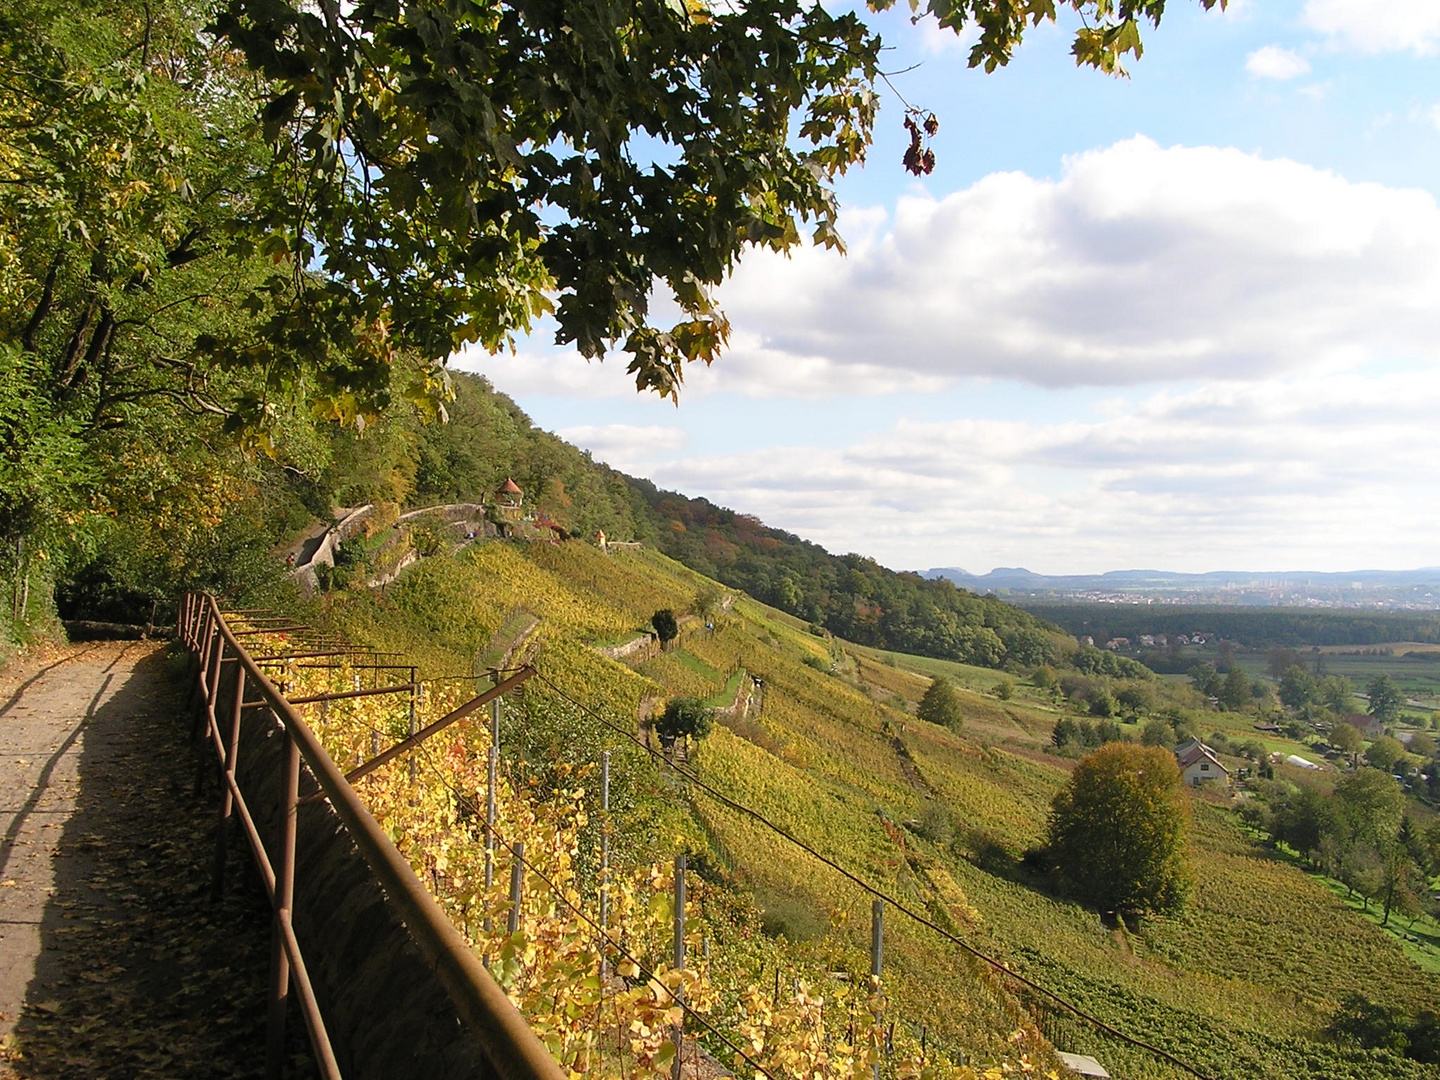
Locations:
{"points": [[850, 595], [489, 438]]}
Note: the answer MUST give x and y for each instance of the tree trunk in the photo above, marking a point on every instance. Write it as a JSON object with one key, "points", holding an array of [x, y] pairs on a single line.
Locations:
{"points": [[19, 570], [74, 349], [42, 308]]}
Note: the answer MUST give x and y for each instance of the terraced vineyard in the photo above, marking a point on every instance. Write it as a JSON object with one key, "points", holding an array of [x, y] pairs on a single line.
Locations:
{"points": [[1240, 985]]}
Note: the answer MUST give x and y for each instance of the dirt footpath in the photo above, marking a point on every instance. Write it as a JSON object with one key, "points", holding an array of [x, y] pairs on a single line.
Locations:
{"points": [[114, 961]]}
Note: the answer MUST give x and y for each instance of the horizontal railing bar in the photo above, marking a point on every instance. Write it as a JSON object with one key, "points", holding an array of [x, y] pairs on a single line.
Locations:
{"points": [[300, 655], [351, 694], [439, 725], [265, 630], [341, 667]]}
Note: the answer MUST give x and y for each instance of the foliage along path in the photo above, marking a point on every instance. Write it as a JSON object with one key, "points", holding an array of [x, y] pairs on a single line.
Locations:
{"points": [[114, 961]]}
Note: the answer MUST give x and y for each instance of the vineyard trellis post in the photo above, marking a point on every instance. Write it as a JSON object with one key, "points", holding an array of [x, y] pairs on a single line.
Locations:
{"points": [[679, 958], [374, 733], [517, 884], [414, 709], [877, 957], [491, 770], [604, 861]]}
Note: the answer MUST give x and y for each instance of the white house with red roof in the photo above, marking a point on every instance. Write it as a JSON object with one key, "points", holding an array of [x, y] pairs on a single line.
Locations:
{"points": [[1198, 763]]}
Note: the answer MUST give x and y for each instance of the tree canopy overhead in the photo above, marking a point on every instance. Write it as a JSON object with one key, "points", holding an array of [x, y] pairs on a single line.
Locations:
{"points": [[257, 214], [459, 167]]}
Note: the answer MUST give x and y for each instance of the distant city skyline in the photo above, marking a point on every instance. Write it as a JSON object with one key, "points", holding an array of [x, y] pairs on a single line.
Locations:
{"points": [[1188, 320]]}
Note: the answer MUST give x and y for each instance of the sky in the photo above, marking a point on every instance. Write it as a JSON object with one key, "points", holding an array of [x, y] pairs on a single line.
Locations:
{"points": [[1187, 320]]}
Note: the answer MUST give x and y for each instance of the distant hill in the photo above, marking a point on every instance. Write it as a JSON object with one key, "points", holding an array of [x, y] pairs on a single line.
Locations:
{"points": [[1392, 589]]}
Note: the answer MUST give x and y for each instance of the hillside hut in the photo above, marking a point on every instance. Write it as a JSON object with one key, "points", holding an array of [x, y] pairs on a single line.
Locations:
{"points": [[510, 494], [508, 510]]}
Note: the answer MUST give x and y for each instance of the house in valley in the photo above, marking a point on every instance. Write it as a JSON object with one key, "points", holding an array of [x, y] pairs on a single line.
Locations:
{"points": [[1198, 763], [1371, 727]]}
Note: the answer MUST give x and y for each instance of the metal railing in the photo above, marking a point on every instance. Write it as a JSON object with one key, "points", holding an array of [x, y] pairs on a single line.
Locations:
{"points": [[512, 1049]]}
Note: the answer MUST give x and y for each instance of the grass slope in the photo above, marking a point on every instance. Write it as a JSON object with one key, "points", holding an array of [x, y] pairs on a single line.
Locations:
{"points": [[1240, 984]]}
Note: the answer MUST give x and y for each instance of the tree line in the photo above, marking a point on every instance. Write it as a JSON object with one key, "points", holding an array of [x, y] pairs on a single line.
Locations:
{"points": [[1253, 628]]}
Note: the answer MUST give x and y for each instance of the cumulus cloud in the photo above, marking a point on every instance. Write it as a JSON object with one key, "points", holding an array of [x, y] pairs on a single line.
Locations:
{"points": [[628, 447], [1280, 473], [748, 367], [1138, 264], [1273, 62], [1376, 26]]}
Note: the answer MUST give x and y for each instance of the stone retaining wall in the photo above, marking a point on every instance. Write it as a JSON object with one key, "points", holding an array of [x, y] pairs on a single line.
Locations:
{"points": [[643, 647]]}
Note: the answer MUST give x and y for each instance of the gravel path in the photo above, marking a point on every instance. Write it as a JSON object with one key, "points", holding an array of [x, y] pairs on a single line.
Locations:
{"points": [[114, 961]]}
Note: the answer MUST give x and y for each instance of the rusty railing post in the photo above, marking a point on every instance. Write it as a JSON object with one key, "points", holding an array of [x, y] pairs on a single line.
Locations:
{"points": [[227, 797], [206, 636], [284, 898], [212, 695]]}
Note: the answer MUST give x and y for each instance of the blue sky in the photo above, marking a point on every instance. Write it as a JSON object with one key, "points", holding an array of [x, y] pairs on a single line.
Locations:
{"points": [[1188, 320]]}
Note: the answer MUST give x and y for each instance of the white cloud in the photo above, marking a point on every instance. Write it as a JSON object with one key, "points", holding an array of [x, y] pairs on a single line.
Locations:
{"points": [[1434, 115], [747, 367], [937, 40], [1273, 62], [1138, 264], [1281, 473], [630, 447], [1376, 26]]}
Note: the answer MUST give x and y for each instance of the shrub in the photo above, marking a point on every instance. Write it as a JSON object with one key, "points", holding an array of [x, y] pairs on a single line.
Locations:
{"points": [[1158, 733], [941, 705], [685, 717], [429, 536], [666, 626]]}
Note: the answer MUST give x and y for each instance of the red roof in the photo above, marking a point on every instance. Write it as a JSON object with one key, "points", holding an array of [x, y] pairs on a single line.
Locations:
{"points": [[1199, 753], [510, 487]]}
